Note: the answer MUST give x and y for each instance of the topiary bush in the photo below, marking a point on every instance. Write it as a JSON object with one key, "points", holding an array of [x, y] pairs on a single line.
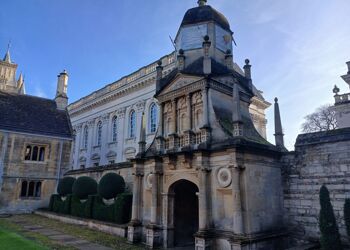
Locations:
{"points": [[111, 185], [65, 186], [57, 205], [82, 209], [347, 216], [123, 208], [84, 186], [330, 238]]}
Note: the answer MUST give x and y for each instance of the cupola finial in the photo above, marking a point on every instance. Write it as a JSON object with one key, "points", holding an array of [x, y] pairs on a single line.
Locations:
{"points": [[202, 2]]}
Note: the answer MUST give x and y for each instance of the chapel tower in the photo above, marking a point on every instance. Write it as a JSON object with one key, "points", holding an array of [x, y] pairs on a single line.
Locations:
{"points": [[8, 81]]}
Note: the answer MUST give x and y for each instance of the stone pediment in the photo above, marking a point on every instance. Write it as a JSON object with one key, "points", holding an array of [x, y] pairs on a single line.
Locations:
{"points": [[179, 82]]}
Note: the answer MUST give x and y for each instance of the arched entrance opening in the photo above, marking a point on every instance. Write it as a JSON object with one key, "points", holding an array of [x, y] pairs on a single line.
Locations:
{"points": [[185, 212]]}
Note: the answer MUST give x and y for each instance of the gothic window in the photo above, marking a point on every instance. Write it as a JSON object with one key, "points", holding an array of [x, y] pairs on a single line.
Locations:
{"points": [[132, 124], [30, 189], [86, 137], [99, 133], [114, 129], [34, 153], [153, 118]]}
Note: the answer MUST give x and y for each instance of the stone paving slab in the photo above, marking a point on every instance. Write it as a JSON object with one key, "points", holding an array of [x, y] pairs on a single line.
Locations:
{"points": [[60, 237]]}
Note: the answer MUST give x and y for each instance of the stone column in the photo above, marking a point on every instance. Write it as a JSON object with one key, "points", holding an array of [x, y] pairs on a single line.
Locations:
{"points": [[203, 200], [189, 112], [161, 122], [136, 199], [205, 107], [134, 228], [238, 226], [174, 120], [168, 224], [154, 206], [77, 146]]}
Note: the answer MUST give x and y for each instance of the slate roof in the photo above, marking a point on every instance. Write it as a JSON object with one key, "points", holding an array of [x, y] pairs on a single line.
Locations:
{"points": [[204, 14], [34, 115]]}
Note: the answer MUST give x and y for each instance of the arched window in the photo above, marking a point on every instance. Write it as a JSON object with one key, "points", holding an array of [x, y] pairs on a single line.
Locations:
{"points": [[99, 133], [35, 153], [86, 137], [167, 126], [114, 129], [153, 118], [132, 124]]}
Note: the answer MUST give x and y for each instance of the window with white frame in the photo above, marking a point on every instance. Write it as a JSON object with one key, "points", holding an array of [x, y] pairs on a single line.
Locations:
{"points": [[86, 137], [132, 124], [114, 129], [153, 118], [99, 134]]}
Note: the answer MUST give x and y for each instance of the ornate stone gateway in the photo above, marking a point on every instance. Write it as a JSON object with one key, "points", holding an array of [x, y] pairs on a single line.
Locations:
{"points": [[185, 212], [204, 180]]}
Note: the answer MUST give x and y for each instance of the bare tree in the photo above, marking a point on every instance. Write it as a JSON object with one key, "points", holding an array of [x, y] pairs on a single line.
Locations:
{"points": [[323, 119]]}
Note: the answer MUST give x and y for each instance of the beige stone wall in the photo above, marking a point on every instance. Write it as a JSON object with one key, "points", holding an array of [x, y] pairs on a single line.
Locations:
{"points": [[16, 168], [305, 170]]}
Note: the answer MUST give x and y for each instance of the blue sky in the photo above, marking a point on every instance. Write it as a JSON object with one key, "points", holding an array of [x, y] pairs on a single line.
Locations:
{"points": [[298, 48]]}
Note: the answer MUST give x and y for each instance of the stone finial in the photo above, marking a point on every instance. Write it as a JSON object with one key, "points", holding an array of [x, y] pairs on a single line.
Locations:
{"points": [[348, 63], [159, 76], [278, 127], [7, 57], [207, 59], [202, 2], [247, 69], [336, 90]]}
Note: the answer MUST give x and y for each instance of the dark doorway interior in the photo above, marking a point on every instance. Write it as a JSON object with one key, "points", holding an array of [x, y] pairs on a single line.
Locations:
{"points": [[185, 212]]}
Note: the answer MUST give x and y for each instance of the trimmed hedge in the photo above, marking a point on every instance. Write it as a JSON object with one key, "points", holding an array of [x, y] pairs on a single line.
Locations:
{"points": [[111, 185], [65, 186], [347, 216], [330, 237], [123, 208], [82, 209], [84, 186], [119, 212], [57, 205]]}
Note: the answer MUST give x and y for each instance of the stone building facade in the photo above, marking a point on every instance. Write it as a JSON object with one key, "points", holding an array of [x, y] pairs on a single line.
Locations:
{"points": [[209, 179], [35, 147], [106, 123]]}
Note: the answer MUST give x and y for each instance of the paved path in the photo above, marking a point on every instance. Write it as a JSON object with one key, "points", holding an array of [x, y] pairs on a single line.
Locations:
{"points": [[61, 238]]}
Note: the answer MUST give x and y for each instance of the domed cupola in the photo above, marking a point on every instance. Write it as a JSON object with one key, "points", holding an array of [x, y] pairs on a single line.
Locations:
{"points": [[205, 13], [202, 22]]}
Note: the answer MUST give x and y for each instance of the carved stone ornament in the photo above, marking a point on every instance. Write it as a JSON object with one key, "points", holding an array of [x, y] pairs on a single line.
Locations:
{"points": [[149, 180], [224, 177]]}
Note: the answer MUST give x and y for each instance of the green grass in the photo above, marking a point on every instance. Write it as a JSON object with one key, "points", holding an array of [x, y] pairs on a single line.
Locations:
{"points": [[73, 230], [12, 241]]}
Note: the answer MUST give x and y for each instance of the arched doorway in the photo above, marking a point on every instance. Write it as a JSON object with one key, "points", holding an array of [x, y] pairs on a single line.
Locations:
{"points": [[185, 212]]}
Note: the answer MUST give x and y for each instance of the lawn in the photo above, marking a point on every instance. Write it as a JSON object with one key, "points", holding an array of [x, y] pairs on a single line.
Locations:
{"points": [[40, 241], [12, 241]]}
